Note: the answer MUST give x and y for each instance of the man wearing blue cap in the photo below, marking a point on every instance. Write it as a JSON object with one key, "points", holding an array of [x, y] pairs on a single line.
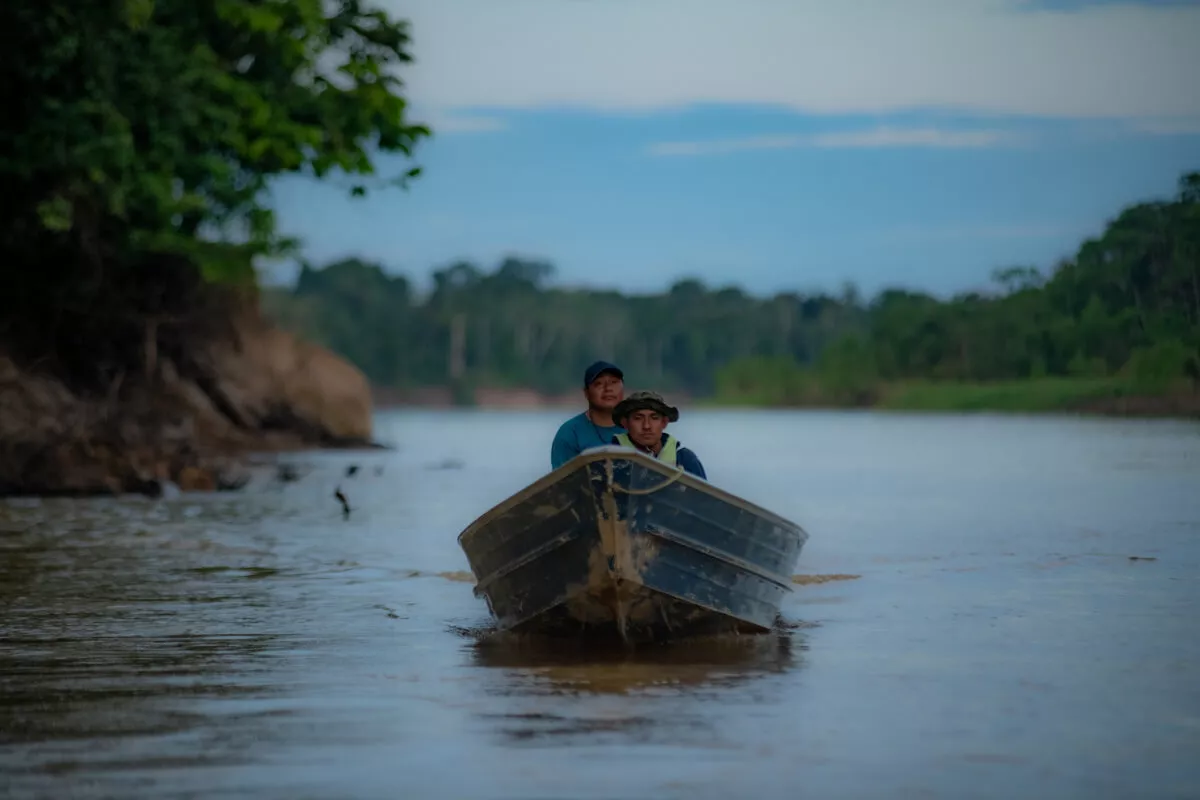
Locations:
{"points": [[604, 387]]}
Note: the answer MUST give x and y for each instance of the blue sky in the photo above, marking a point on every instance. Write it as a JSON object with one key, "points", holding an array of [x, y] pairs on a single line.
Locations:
{"points": [[773, 144]]}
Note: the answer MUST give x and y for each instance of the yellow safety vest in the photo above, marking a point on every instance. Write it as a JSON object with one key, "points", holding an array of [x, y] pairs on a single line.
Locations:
{"points": [[666, 455]]}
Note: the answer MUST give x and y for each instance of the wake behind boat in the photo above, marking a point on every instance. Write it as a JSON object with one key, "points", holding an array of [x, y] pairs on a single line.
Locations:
{"points": [[615, 541]]}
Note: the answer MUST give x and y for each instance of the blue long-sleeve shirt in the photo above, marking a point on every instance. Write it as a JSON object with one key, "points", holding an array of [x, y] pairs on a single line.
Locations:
{"points": [[578, 434]]}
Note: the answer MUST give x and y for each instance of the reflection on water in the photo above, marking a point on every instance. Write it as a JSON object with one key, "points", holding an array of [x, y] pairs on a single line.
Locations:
{"points": [[572, 693], [568, 666], [968, 623]]}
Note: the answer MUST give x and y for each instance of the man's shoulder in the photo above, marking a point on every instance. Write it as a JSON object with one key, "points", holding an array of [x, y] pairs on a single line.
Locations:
{"points": [[679, 446], [682, 451], [572, 422], [690, 462]]}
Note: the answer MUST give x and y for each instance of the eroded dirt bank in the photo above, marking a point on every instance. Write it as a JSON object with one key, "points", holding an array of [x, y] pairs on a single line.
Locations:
{"points": [[256, 388]]}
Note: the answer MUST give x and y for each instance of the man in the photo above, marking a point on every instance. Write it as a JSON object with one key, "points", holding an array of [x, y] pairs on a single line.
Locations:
{"points": [[603, 388], [645, 416]]}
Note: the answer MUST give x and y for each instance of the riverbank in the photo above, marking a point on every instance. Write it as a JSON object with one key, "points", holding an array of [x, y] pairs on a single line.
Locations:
{"points": [[1100, 396], [1110, 396], [491, 398], [186, 425]]}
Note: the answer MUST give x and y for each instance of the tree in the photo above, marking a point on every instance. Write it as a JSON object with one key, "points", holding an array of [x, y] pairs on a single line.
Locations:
{"points": [[141, 136]]}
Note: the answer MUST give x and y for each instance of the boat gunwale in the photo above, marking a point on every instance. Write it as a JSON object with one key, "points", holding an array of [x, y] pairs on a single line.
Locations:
{"points": [[614, 452]]}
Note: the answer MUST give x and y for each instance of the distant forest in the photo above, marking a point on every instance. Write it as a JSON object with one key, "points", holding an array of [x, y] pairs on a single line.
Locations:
{"points": [[1125, 308]]}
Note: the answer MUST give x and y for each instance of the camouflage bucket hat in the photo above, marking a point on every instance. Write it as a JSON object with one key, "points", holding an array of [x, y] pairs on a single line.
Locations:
{"points": [[644, 400]]}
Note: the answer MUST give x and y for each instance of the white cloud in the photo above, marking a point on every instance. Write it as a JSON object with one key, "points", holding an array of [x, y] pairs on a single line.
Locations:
{"points": [[877, 137], [998, 56]]}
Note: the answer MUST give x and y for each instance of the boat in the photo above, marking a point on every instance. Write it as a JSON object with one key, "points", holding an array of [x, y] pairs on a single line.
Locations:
{"points": [[616, 542]]}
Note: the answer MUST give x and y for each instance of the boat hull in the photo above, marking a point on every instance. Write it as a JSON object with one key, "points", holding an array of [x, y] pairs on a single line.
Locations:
{"points": [[614, 542]]}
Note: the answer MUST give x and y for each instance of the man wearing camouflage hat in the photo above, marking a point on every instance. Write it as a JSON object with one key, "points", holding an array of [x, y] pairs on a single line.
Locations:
{"points": [[645, 415]]}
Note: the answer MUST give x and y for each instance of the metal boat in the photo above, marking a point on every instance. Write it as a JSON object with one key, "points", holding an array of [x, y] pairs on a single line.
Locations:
{"points": [[616, 542]]}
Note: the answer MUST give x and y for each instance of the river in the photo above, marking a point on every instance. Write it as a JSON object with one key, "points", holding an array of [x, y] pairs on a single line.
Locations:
{"points": [[998, 642]]}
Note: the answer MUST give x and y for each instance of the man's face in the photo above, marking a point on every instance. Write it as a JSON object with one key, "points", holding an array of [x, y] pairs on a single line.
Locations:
{"points": [[605, 392], [645, 427]]}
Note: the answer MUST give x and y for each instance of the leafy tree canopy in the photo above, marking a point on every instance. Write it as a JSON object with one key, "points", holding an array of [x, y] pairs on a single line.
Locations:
{"points": [[140, 136]]}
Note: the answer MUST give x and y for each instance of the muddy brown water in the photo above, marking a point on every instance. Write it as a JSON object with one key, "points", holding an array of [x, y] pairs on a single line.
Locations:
{"points": [[967, 621]]}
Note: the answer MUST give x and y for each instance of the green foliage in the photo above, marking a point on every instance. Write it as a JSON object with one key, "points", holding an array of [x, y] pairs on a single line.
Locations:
{"points": [[1123, 315], [521, 332], [148, 130], [766, 381], [337, 304], [847, 371], [1160, 366], [174, 115]]}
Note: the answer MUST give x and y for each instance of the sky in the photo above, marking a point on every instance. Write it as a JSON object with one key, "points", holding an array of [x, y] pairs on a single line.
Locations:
{"points": [[776, 145]]}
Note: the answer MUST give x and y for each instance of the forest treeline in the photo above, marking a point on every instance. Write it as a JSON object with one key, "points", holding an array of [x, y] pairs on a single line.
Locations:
{"points": [[1122, 315]]}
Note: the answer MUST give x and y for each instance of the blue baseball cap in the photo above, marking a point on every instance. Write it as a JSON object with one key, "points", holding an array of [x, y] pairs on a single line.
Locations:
{"points": [[599, 368]]}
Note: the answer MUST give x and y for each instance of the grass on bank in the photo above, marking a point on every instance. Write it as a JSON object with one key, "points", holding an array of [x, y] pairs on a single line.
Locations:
{"points": [[1107, 394], [1034, 394], [1158, 380]]}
